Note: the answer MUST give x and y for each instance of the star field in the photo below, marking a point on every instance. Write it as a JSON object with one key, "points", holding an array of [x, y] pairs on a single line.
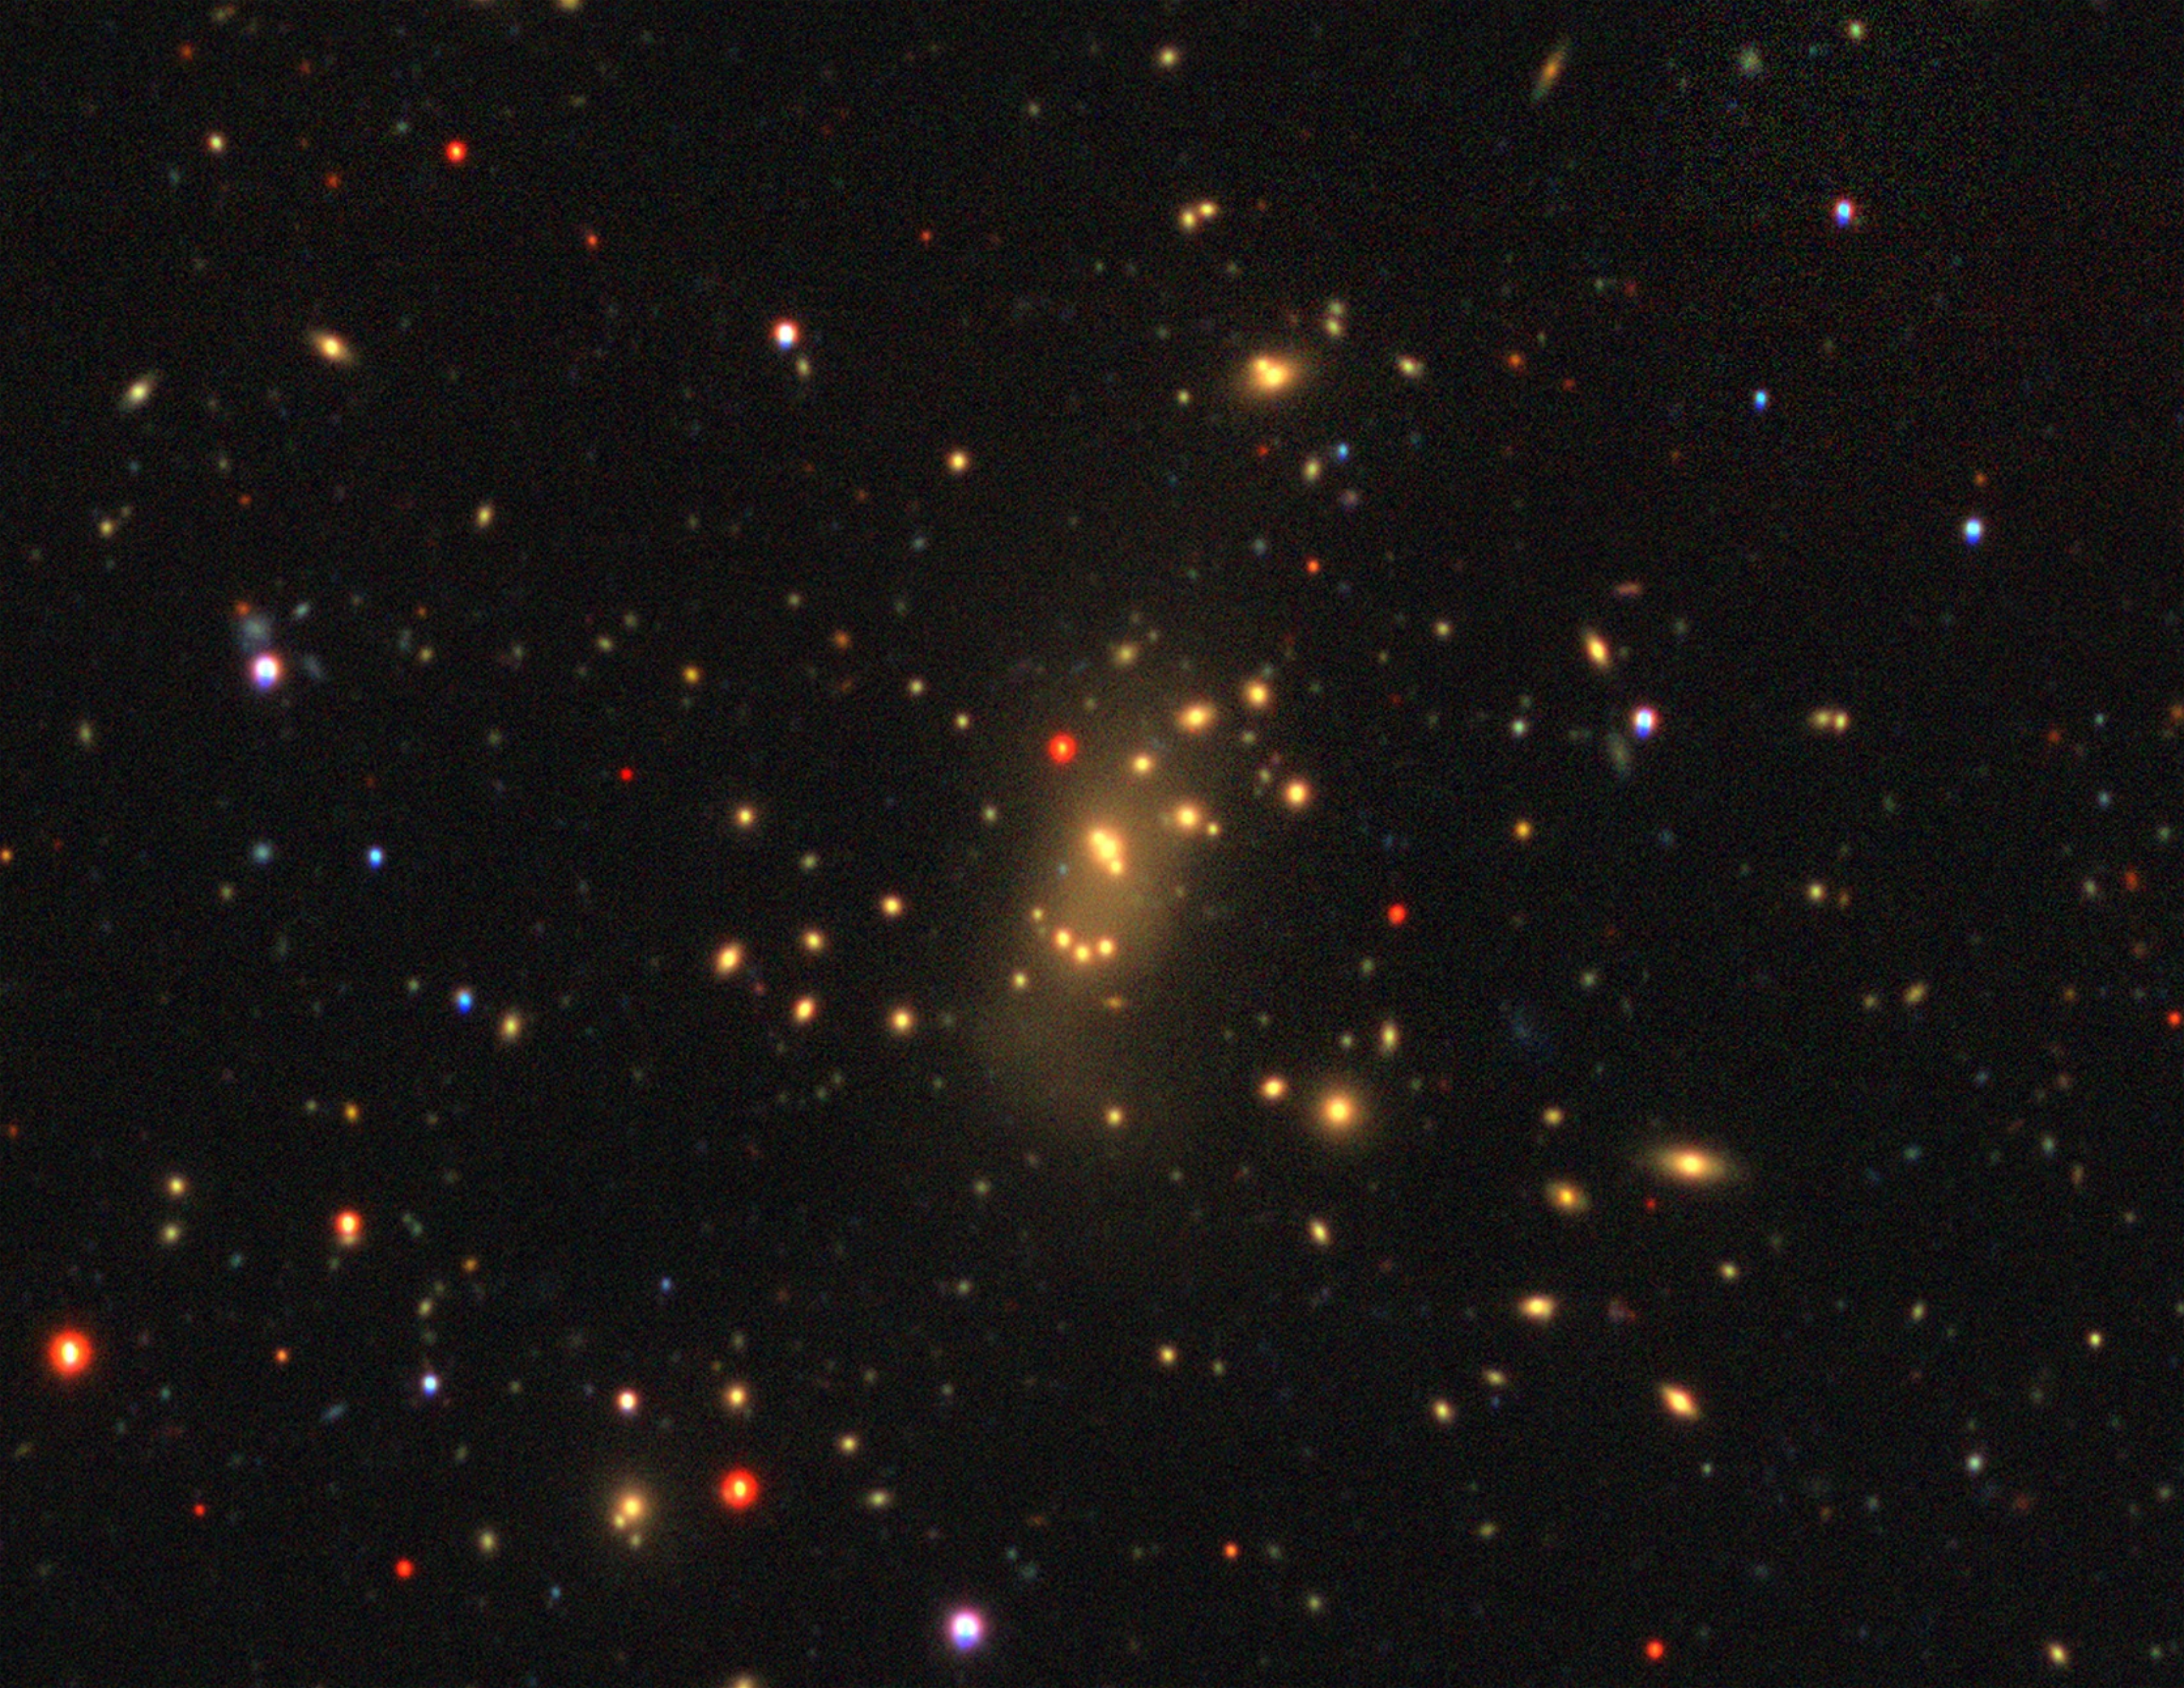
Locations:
{"points": [[1202, 847]]}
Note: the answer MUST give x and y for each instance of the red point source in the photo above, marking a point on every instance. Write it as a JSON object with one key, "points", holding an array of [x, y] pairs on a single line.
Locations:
{"points": [[458, 150], [1397, 914], [1655, 1649], [69, 1353], [1062, 749], [739, 1490], [403, 1570]]}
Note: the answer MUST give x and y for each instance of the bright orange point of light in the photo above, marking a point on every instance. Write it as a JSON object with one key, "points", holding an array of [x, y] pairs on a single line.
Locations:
{"points": [[1655, 1649], [1062, 749], [458, 150], [348, 1225], [739, 1490], [1397, 914], [403, 1569], [69, 1353]]}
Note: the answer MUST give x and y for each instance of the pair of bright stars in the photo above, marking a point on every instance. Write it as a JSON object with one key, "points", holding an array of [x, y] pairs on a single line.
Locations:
{"points": [[70, 1354]]}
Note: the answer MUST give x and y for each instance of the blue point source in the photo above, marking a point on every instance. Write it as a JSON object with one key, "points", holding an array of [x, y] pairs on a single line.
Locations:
{"points": [[966, 1630], [1975, 530], [1759, 398]]}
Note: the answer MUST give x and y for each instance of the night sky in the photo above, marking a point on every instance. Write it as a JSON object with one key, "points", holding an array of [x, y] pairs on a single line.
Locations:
{"points": [[870, 845]]}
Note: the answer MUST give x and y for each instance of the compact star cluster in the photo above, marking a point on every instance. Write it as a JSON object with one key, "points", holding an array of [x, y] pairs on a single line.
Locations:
{"points": [[1159, 911]]}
